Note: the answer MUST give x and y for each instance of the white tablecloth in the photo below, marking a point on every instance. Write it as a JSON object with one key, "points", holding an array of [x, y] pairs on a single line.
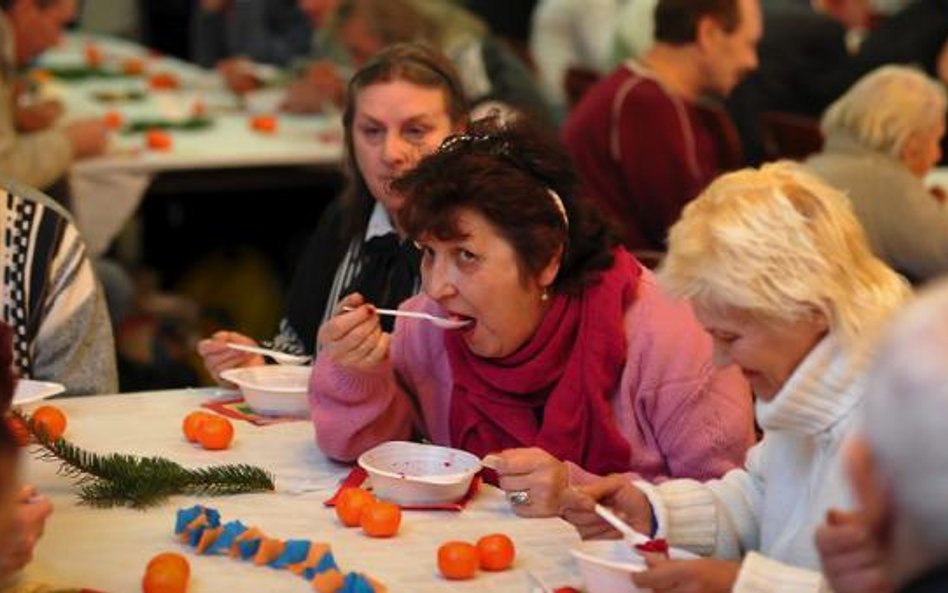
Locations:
{"points": [[107, 190], [108, 549]]}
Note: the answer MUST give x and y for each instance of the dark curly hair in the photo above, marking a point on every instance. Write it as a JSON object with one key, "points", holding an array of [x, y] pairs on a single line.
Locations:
{"points": [[505, 172]]}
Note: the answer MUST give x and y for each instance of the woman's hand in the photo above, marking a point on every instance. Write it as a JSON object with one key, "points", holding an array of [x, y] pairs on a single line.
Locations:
{"points": [[218, 357], [542, 477], [353, 337], [39, 116], [326, 80], [615, 492], [30, 514], [851, 558], [238, 74], [687, 576]]}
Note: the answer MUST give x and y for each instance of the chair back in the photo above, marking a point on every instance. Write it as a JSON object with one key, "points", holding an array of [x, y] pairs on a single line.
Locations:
{"points": [[790, 136]]}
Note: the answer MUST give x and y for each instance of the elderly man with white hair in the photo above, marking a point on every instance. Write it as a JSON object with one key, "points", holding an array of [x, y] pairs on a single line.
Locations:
{"points": [[898, 465], [882, 137]]}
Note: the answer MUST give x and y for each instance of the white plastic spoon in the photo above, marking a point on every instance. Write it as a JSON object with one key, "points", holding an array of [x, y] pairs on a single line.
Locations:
{"points": [[441, 322], [280, 357], [631, 535]]}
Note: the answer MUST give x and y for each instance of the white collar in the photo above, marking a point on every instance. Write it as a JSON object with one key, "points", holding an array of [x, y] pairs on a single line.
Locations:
{"points": [[379, 223], [827, 384]]}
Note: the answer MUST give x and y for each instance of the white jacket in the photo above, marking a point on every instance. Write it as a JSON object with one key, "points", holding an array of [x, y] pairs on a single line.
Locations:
{"points": [[768, 512]]}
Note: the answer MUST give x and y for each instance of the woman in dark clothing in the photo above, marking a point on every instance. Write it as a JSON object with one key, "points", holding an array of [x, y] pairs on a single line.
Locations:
{"points": [[400, 106]]}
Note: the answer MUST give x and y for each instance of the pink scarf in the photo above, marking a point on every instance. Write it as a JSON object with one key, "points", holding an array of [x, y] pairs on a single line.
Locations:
{"points": [[554, 392]]}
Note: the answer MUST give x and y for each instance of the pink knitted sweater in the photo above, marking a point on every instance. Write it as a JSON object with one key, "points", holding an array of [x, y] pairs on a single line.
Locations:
{"points": [[682, 417]]}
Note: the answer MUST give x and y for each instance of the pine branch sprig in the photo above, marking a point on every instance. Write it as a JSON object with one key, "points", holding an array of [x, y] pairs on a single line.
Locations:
{"points": [[117, 479]]}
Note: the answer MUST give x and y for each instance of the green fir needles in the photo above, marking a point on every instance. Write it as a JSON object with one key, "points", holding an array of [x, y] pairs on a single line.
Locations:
{"points": [[139, 482]]}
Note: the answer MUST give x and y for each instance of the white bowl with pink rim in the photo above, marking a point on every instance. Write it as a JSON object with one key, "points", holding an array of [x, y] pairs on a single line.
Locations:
{"points": [[606, 565], [418, 474]]}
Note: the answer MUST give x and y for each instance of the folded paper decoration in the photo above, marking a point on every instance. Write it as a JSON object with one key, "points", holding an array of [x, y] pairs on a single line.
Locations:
{"points": [[201, 528]]}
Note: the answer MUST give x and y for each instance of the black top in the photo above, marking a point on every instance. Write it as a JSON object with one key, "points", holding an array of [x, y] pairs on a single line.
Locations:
{"points": [[314, 275], [935, 581], [385, 270]]}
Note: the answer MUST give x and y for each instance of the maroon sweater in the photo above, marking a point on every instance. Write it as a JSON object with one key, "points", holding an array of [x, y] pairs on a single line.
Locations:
{"points": [[643, 152]]}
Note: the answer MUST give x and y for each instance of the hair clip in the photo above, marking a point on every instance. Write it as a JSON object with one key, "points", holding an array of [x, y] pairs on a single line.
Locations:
{"points": [[558, 202]]}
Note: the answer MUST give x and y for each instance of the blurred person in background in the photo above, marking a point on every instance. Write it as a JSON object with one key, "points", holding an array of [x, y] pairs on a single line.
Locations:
{"points": [[566, 34], [883, 137], [299, 30], [649, 137], [268, 31], [41, 157], [491, 74], [118, 18]]}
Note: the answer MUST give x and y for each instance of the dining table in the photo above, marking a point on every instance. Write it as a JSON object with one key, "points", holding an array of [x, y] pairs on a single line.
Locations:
{"points": [[107, 549], [209, 127]]}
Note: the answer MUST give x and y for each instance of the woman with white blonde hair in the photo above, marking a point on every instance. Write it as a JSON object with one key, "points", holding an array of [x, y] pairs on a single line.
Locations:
{"points": [[779, 273], [882, 138]]}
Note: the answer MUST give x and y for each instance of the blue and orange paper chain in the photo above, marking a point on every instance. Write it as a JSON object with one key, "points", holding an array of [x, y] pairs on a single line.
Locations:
{"points": [[200, 527]]}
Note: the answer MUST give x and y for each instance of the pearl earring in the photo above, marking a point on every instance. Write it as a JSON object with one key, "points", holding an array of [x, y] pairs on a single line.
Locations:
{"points": [[545, 295]]}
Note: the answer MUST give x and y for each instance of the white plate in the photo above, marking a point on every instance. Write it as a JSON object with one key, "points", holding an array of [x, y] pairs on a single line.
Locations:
{"points": [[28, 390]]}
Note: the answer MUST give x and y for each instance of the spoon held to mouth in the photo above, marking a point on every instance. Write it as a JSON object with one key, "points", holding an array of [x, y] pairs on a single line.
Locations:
{"points": [[442, 322]]}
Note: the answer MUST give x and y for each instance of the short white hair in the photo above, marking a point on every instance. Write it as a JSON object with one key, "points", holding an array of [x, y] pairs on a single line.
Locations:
{"points": [[782, 244], [886, 107], [906, 417]]}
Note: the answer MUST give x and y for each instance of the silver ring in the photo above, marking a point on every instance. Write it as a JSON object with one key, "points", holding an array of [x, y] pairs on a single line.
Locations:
{"points": [[518, 497]]}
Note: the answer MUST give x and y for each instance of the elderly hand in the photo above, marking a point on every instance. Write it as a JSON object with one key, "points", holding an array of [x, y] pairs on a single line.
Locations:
{"points": [[353, 339], [31, 512], [238, 74], [852, 561], [615, 492], [39, 116], [218, 357], [687, 576], [88, 137], [325, 78], [304, 97], [535, 472]]}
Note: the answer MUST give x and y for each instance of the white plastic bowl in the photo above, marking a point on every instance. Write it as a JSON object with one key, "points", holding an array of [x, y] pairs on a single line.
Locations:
{"points": [[273, 390], [416, 474], [607, 565]]}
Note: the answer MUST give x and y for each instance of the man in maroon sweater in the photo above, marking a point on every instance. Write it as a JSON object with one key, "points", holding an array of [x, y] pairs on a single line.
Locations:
{"points": [[646, 138]]}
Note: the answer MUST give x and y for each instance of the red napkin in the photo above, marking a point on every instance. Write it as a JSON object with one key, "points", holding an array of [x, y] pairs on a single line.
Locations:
{"points": [[357, 476], [236, 408]]}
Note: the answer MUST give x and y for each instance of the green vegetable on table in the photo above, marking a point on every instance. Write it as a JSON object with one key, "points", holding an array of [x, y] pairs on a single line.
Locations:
{"points": [[115, 479], [77, 73], [190, 124]]}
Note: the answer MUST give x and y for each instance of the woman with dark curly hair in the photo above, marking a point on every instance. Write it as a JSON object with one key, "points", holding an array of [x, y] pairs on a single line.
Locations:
{"points": [[571, 363]]}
